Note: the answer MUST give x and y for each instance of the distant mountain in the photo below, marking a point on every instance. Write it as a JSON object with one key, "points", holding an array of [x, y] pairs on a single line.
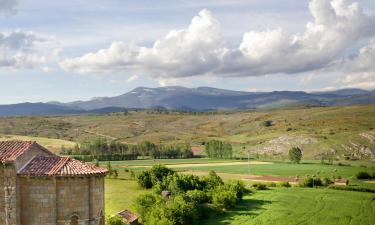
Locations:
{"points": [[206, 98], [35, 109], [193, 99]]}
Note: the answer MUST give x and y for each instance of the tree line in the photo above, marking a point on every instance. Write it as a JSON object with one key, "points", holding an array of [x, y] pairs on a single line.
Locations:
{"points": [[103, 150], [218, 149]]}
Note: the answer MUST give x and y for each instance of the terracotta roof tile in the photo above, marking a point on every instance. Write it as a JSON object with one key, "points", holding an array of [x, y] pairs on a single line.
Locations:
{"points": [[43, 166], [10, 150]]}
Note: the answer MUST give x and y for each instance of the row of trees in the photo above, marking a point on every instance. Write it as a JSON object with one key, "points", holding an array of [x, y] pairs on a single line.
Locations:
{"points": [[218, 149], [101, 149], [182, 199]]}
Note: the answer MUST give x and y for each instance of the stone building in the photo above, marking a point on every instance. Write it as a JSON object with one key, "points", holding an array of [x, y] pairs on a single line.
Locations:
{"points": [[40, 188]]}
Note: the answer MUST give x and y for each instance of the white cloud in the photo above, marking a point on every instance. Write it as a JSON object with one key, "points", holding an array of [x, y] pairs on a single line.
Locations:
{"points": [[17, 51], [8, 6], [337, 27]]}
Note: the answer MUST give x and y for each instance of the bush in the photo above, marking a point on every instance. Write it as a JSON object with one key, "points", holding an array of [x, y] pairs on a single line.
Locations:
{"points": [[267, 123], [259, 186], [312, 182], [363, 175], [285, 184], [224, 198], [144, 180], [272, 184], [115, 220], [327, 181], [197, 196]]}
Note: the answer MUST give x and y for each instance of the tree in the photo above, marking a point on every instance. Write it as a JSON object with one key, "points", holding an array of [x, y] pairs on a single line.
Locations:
{"points": [[295, 154]]}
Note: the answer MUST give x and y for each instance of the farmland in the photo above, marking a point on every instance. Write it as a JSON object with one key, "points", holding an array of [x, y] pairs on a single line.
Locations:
{"points": [[337, 130]]}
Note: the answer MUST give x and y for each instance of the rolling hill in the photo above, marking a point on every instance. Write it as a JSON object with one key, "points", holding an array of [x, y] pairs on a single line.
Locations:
{"points": [[193, 99]]}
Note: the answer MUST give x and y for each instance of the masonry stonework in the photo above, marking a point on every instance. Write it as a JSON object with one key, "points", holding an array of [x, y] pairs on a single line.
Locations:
{"points": [[39, 188]]}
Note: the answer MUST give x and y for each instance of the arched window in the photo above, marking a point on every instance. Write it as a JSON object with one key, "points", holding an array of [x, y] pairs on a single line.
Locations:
{"points": [[74, 220]]}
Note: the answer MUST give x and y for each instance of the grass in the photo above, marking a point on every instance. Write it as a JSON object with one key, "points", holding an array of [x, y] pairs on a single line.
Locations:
{"points": [[291, 206], [288, 169], [50, 143]]}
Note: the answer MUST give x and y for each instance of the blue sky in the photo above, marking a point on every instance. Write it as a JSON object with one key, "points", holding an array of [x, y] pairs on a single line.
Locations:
{"points": [[76, 50]]}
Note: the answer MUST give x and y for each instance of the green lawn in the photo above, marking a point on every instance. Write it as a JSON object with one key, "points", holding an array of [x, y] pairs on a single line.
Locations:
{"points": [[120, 194], [301, 206]]}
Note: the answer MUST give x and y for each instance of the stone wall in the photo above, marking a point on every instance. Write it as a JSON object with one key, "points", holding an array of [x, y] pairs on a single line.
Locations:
{"points": [[9, 204], [38, 201]]}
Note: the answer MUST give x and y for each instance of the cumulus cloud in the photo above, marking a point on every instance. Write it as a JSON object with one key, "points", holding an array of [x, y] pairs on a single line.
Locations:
{"points": [[17, 50], [337, 26], [185, 52], [8, 6]]}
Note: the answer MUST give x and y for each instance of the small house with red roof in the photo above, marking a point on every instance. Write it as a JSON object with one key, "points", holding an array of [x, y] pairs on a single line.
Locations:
{"points": [[38, 187]]}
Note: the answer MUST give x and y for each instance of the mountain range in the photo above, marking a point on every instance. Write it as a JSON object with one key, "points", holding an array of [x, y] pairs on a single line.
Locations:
{"points": [[193, 99]]}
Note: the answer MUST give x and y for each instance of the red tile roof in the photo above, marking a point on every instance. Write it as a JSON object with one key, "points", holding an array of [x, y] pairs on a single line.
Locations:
{"points": [[42, 166], [11, 150]]}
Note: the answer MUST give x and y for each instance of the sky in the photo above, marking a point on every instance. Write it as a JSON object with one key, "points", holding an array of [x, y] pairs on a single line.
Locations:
{"points": [[76, 50]]}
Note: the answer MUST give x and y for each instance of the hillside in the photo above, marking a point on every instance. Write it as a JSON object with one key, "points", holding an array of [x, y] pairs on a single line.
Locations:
{"points": [[199, 99], [338, 130]]}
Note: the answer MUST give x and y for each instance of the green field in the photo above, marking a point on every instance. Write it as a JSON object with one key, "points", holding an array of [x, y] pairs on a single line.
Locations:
{"points": [[275, 206], [297, 206]]}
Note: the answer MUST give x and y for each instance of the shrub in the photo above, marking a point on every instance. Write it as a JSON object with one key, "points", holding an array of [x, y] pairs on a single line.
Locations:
{"points": [[212, 180], [238, 188], [197, 196], [144, 180], [312, 182], [285, 184], [115, 220], [363, 175], [259, 186], [224, 198], [327, 181], [267, 123], [272, 184]]}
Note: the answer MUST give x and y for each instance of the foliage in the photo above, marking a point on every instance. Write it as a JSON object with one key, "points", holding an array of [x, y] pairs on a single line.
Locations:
{"points": [[218, 149], [190, 199], [295, 154], [103, 150], [363, 175], [285, 184], [259, 186], [352, 188], [267, 123], [312, 182], [149, 178], [115, 220], [223, 198]]}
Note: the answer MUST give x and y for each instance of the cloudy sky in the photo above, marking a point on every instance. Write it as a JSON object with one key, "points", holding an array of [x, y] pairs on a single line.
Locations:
{"points": [[70, 50]]}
